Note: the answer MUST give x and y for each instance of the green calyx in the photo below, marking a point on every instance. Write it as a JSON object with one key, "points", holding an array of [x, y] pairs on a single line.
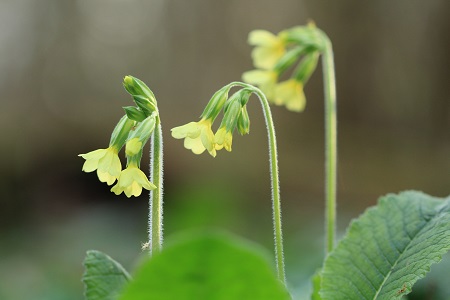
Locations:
{"points": [[136, 87], [216, 104], [306, 67], [120, 132]]}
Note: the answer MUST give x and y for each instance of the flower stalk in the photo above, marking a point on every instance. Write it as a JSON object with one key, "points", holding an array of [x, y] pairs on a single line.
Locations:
{"points": [[275, 182], [330, 142], [155, 216]]}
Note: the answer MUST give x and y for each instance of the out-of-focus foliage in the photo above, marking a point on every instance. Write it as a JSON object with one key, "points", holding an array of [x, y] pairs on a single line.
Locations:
{"points": [[206, 266]]}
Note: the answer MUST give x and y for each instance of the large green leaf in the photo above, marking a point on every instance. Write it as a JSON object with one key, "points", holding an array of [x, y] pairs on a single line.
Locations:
{"points": [[211, 266], [103, 278], [388, 248]]}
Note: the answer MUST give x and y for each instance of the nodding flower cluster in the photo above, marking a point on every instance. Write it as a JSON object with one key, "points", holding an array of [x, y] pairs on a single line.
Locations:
{"points": [[198, 136], [273, 55], [133, 130]]}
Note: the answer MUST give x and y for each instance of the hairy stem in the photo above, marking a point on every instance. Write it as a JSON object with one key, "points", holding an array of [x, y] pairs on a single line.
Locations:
{"points": [[330, 143], [155, 216], [276, 202]]}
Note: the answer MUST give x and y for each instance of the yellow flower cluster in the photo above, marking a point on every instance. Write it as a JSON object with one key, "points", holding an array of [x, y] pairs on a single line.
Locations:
{"points": [[199, 136], [272, 56], [133, 130]]}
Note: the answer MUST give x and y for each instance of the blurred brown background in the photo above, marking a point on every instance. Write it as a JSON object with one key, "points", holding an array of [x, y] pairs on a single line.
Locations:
{"points": [[61, 68]]}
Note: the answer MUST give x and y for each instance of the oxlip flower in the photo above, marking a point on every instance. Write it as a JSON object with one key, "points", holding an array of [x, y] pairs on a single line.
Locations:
{"points": [[198, 136], [105, 161], [290, 93], [266, 80], [269, 48], [131, 181]]}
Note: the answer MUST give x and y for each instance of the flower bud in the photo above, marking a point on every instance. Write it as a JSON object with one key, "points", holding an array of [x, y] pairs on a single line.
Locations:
{"points": [[136, 87], [145, 104], [134, 113], [306, 67], [120, 132], [232, 112], [216, 103], [243, 122]]}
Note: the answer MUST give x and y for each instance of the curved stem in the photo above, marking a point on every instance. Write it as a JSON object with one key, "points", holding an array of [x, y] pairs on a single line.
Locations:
{"points": [[155, 216], [276, 202], [330, 143]]}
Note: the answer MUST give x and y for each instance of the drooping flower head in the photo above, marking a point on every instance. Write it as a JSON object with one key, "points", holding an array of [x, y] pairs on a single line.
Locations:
{"points": [[134, 129], [198, 136], [274, 55]]}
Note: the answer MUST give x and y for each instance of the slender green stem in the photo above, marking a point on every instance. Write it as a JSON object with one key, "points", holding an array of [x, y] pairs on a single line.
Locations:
{"points": [[330, 143], [155, 215], [276, 202]]}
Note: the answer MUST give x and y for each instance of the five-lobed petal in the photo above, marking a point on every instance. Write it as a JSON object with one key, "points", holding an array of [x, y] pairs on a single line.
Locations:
{"points": [[131, 181], [105, 161], [198, 136], [290, 93], [269, 48]]}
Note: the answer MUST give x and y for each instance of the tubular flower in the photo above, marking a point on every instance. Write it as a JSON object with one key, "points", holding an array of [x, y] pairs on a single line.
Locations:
{"points": [[131, 181], [105, 161], [266, 80], [223, 139], [198, 136], [290, 93], [269, 48]]}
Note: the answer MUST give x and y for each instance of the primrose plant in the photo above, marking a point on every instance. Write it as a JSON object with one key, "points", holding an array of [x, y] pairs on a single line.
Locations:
{"points": [[384, 252]]}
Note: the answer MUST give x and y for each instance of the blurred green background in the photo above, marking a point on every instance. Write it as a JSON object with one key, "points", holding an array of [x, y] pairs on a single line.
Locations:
{"points": [[61, 68]]}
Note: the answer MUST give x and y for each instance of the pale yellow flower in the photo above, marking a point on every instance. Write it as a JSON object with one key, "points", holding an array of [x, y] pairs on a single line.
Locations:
{"points": [[266, 81], [269, 48], [290, 93], [131, 181], [198, 136], [105, 161], [223, 139]]}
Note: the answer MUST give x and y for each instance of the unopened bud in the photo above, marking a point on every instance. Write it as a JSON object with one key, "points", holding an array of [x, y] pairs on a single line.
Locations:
{"points": [[243, 122]]}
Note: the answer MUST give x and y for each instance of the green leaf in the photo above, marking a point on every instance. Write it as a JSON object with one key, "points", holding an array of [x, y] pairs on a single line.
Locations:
{"points": [[103, 278], [388, 248], [211, 266]]}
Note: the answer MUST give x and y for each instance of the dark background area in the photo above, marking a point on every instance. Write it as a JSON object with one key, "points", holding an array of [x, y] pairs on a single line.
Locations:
{"points": [[61, 68]]}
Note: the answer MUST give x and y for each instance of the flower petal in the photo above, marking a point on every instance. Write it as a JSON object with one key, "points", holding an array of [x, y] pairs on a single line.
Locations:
{"points": [[261, 37], [191, 130], [106, 177], [195, 145]]}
